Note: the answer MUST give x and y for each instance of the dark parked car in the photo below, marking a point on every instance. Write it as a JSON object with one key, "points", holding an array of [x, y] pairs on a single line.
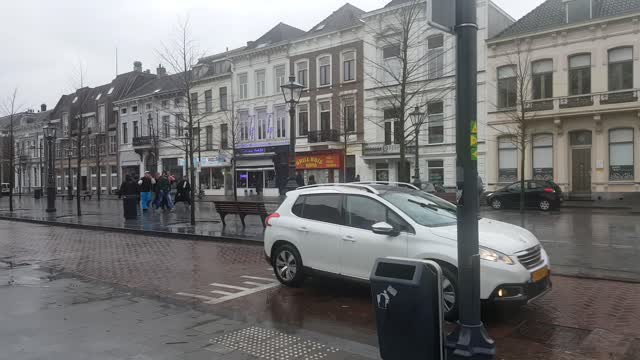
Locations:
{"points": [[542, 194]]}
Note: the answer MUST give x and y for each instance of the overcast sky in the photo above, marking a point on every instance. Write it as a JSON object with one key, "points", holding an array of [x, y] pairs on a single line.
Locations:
{"points": [[42, 41]]}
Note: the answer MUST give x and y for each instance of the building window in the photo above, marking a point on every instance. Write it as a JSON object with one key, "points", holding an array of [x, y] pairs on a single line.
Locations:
{"points": [[135, 130], [113, 144], [392, 133], [194, 103], [349, 65], [262, 124], [382, 171], [243, 122], [260, 83], [435, 112], [542, 79], [281, 122], [303, 120], [435, 172], [65, 124], [325, 115], [177, 102], [147, 106], [209, 137], [123, 111], [435, 56], [620, 68], [324, 70], [507, 160], [101, 115], [621, 154], [280, 78], [125, 135], [507, 93], [179, 128], [543, 157], [166, 131], [208, 101], [224, 136], [577, 10], [392, 63], [223, 98], [580, 74], [134, 109], [165, 104], [349, 115], [92, 146], [303, 73], [243, 83]]}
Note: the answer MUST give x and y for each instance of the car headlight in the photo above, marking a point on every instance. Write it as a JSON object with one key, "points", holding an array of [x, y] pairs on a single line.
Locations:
{"points": [[495, 256]]}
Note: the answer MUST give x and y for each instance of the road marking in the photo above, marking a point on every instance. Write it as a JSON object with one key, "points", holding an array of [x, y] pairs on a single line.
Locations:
{"points": [[264, 284], [230, 286]]}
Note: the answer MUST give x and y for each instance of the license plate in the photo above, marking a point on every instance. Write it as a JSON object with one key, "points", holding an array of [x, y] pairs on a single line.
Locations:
{"points": [[540, 274]]}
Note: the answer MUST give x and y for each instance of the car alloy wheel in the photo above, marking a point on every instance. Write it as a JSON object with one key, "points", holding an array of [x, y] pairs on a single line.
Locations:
{"points": [[496, 204], [448, 295], [544, 205], [286, 265]]}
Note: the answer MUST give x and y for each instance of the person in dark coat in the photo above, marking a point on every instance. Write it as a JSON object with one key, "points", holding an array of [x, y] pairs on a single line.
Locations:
{"points": [[299, 180], [183, 192], [128, 187], [312, 180]]}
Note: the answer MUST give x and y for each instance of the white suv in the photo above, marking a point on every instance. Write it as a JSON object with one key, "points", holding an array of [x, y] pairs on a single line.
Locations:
{"points": [[341, 229]]}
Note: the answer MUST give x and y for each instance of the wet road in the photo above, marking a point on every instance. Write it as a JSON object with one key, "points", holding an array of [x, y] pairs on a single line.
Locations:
{"points": [[232, 280]]}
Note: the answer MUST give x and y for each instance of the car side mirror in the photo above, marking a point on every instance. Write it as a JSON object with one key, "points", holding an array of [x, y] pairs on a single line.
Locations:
{"points": [[382, 228]]}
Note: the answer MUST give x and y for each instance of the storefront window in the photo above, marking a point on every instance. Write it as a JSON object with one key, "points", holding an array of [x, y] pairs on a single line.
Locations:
{"points": [[436, 171], [621, 154], [241, 180], [270, 179], [382, 172], [507, 159], [543, 157]]}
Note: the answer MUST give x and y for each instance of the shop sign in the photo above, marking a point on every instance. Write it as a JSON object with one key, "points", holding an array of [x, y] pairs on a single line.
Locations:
{"points": [[319, 161]]}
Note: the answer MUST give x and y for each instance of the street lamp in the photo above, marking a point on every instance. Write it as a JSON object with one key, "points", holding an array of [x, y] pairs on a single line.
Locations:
{"points": [[417, 118], [50, 135], [292, 92]]}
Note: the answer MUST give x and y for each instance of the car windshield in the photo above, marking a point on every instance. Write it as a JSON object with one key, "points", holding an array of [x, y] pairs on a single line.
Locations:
{"points": [[423, 208]]}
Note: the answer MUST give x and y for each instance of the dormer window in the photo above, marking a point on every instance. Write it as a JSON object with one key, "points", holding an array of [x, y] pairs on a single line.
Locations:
{"points": [[578, 10]]}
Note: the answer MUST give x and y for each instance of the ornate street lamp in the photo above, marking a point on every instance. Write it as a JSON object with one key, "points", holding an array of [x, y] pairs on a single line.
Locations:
{"points": [[50, 136], [292, 92], [417, 118]]}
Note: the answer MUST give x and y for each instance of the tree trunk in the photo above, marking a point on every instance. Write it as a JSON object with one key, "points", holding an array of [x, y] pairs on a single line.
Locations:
{"points": [[523, 152], [79, 164], [192, 181]]}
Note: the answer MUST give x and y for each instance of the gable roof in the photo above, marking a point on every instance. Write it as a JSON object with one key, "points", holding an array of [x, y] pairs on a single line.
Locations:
{"points": [[346, 16], [278, 33], [160, 84], [399, 2], [552, 14]]}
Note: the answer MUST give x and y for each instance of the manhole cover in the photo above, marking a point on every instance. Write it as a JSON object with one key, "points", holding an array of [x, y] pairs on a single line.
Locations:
{"points": [[273, 345]]}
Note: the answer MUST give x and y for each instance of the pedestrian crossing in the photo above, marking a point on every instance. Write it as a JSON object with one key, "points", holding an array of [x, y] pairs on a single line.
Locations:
{"points": [[246, 285]]}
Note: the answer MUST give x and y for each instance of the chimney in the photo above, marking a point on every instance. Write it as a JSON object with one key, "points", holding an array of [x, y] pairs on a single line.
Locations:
{"points": [[249, 43], [161, 71], [43, 107], [137, 66]]}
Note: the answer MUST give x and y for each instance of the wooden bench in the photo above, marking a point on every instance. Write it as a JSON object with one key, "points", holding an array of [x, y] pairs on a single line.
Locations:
{"points": [[86, 194], [243, 209]]}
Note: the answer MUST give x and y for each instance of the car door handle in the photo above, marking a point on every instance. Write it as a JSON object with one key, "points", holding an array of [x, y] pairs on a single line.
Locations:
{"points": [[303, 229], [349, 239]]}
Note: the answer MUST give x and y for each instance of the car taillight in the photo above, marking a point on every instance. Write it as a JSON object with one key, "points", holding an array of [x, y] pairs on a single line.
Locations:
{"points": [[549, 190], [272, 216]]}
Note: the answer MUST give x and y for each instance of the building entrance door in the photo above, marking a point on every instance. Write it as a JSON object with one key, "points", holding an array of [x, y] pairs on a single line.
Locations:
{"points": [[581, 170]]}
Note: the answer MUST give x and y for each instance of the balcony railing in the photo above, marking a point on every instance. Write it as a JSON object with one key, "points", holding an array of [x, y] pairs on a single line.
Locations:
{"points": [[581, 101], [324, 136], [576, 101], [539, 105], [618, 97], [380, 149], [144, 141]]}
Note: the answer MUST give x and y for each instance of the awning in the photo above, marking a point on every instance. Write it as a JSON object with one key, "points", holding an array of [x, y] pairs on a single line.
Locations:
{"points": [[254, 164]]}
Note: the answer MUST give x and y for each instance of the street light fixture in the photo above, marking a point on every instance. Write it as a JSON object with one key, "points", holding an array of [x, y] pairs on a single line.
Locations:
{"points": [[50, 136], [416, 119], [292, 92]]}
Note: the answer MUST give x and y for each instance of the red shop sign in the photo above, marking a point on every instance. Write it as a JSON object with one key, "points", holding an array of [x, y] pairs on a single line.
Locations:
{"points": [[319, 161]]}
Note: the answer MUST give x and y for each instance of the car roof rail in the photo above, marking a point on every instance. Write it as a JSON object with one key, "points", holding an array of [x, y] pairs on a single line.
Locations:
{"points": [[390, 183], [353, 185]]}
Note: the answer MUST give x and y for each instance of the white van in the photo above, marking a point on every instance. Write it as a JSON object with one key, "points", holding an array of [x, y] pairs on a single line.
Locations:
{"points": [[5, 188]]}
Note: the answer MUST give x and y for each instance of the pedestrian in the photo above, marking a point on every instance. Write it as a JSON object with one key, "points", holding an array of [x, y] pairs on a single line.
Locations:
{"points": [[259, 185], [357, 179], [146, 186], [164, 186], [299, 180], [129, 192], [156, 191], [312, 180], [183, 192]]}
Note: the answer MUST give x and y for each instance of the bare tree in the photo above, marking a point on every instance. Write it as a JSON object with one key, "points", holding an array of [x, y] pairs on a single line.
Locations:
{"points": [[10, 108], [515, 102], [403, 76], [80, 128], [181, 54]]}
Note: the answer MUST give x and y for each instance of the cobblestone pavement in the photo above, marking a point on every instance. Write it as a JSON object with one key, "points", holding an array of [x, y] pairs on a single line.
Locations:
{"points": [[578, 319]]}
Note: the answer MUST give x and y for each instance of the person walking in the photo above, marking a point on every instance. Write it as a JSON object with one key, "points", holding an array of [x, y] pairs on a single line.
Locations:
{"points": [[129, 193], [183, 192], [300, 180], [146, 185], [312, 180], [164, 188]]}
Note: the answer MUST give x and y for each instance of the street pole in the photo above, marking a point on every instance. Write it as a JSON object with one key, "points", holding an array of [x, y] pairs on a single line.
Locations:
{"points": [[292, 146], [470, 339], [416, 169], [51, 185]]}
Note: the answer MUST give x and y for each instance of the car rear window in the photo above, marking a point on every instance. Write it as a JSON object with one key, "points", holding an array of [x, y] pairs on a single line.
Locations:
{"points": [[319, 207]]}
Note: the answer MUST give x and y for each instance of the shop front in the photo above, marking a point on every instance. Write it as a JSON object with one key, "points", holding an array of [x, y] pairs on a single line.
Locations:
{"points": [[215, 175], [322, 167], [261, 171]]}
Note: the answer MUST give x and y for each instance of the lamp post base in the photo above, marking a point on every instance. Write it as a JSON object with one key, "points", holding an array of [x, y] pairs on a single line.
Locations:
{"points": [[470, 342], [51, 199]]}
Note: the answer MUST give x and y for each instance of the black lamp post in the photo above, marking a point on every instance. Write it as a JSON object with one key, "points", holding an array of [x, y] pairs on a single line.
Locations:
{"points": [[292, 92], [416, 118], [50, 135]]}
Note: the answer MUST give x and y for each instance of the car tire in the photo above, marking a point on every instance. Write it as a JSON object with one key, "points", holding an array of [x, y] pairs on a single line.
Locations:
{"points": [[495, 203], [287, 265], [450, 293], [544, 205]]}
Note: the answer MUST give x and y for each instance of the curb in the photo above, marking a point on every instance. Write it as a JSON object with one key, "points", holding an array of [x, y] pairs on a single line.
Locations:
{"points": [[164, 234]]}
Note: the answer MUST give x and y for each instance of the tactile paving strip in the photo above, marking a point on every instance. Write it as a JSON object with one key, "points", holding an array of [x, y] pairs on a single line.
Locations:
{"points": [[273, 345]]}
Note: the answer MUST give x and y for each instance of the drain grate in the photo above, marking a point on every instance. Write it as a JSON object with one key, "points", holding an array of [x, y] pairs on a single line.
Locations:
{"points": [[273, 345]]}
